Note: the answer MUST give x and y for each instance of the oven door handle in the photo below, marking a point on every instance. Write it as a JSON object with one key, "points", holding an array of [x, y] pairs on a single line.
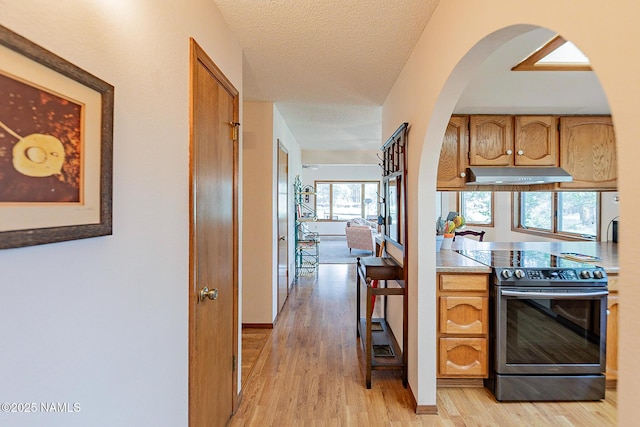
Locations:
{"points": [[554, 295]]}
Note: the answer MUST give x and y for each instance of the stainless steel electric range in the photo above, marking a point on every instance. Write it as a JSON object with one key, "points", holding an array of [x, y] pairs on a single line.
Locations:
{"points": [[548, 322]]}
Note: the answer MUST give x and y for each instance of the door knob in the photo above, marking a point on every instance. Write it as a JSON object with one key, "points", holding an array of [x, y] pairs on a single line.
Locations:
{"points": [[206, 293], [282, 238]]}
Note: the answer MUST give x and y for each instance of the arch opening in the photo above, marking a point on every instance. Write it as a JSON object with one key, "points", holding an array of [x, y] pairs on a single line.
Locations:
{"points": [[463, 93]]}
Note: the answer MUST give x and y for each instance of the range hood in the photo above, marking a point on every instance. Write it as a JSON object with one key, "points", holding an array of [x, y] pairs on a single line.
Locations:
{"points": [[489, 175]]}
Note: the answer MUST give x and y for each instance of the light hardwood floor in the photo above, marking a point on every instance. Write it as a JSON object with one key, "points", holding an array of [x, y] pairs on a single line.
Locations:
{"points": [[309, 374], [253, 341]]}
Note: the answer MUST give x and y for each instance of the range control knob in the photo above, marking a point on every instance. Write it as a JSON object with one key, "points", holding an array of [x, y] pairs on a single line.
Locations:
{"points": [[507, 274], [598, 274], [519, 274], [585, 274]]}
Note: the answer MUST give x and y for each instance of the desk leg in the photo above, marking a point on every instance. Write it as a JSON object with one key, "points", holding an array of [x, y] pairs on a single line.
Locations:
{"points": [[369, 343]]}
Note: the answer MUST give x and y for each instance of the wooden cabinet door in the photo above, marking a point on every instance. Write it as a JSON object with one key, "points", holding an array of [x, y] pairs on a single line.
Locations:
{"points": [[588, 152], [463, 357], [453, 155], [536, 141], [612, 336], [491, 141], [463, 315]]}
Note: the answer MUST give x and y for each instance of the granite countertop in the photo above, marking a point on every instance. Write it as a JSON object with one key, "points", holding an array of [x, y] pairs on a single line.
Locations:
{"points": [[451, 261]]}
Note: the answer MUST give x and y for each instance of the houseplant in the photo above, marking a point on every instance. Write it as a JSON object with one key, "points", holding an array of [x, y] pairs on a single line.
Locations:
{"points": [[449, 230]]}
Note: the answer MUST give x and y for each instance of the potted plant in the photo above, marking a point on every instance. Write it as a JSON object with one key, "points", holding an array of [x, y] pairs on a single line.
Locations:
{"points": [[450, 228]]}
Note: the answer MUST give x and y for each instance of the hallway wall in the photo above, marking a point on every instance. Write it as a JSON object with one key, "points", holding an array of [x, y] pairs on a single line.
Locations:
{"points": [[262, 129], [104, 321]]}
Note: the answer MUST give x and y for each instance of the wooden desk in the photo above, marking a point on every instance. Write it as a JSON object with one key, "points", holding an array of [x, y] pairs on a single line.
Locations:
{"points": [[380, 345]]}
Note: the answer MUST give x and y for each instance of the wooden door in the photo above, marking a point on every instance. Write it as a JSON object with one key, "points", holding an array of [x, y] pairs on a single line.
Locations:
{"points": [[588, 152], [453, 155], [213, 223], [491, 141], [283, 233], [536, 141]]}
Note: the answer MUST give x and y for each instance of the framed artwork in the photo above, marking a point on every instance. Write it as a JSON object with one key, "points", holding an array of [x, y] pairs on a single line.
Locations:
{"points": [[56, 145]]}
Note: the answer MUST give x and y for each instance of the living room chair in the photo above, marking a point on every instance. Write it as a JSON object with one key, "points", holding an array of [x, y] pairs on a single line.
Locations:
{"points": [[360, 235], [478, 234]]}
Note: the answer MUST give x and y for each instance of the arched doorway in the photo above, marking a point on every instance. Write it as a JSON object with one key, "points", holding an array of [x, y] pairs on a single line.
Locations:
{"points": [[468, 68]]}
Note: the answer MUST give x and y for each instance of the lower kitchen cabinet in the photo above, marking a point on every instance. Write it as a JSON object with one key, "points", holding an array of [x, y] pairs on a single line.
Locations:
{"points": [[463, 325], [463, 357]]}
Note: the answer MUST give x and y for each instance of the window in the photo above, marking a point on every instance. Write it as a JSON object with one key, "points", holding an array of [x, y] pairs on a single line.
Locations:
{"points": [[344, 200], [477, 207], [556, 55], [569, 214]]}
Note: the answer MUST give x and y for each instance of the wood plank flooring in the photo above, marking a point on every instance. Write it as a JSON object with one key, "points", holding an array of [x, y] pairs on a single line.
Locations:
{"points": [[310, 374], [253, 341]]}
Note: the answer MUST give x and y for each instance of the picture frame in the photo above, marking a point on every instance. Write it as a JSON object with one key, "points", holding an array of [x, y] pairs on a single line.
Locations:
{"points": [[56, 147]]}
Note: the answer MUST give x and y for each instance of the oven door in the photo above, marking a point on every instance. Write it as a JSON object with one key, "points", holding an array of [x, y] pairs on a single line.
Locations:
{"points": [[550, 330]]}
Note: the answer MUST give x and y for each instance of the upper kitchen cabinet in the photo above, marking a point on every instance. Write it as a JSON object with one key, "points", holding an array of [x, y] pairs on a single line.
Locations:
{"points": [[494, 142], [491, 140], [588, 152], [453, 155], [536, 141]]}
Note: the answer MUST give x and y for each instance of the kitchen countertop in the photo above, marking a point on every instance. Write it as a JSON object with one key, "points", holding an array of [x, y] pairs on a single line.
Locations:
{"points": [[448, 261]]}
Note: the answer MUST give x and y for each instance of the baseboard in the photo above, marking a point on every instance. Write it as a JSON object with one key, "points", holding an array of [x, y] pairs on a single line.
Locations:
{"points": [[238, 400], [257, 326], [421, 409], [426, 410], [460, 382]]}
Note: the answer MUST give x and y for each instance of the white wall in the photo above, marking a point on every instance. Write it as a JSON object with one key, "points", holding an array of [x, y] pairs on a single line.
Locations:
{"points": [[262, 129], [425, 95], [500, 231], [333, 172], [104, 321], [259, 159], [282, 132], [342, 157]]}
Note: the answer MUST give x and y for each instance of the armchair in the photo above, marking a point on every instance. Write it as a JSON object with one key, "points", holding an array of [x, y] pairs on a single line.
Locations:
{"points": [[360, 235]]}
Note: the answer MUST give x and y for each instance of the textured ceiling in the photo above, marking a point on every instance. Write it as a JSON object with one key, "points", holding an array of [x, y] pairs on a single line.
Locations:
{"points": [[328, 65]]}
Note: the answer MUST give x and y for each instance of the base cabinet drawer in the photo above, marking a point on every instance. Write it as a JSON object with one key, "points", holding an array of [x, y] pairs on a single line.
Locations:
{"points": [[464, 282], [464, 314], [463, 357]]}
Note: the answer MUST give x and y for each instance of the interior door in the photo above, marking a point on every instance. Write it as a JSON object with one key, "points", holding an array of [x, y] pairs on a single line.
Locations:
{"points": [[213, 287], [283, 230]]}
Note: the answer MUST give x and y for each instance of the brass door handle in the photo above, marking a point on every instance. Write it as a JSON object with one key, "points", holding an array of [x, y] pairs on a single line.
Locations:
{"points": [[206, 293]]}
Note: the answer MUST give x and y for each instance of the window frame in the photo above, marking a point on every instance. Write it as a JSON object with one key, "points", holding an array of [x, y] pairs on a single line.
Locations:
{"points": [[530, 63], [554, 233], [362, 203], [478, 224]]}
